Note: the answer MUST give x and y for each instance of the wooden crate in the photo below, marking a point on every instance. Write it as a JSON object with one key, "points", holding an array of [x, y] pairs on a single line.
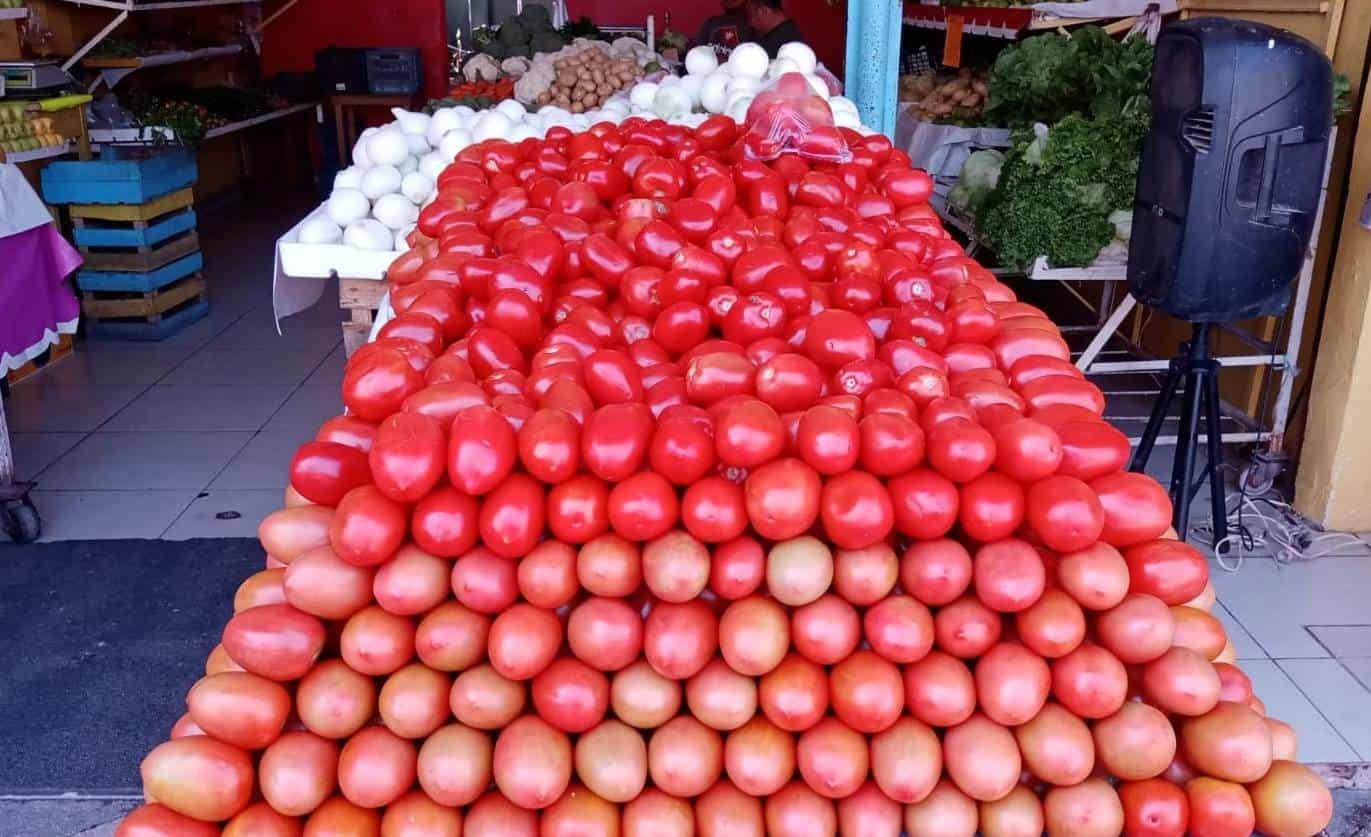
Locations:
{"points": [[148, 315], [133, 213], [93, 233], [360, 298], [142, 258]]}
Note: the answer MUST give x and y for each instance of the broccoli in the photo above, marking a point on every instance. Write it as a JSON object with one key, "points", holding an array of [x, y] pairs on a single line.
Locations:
{"points": [[513, 33]]}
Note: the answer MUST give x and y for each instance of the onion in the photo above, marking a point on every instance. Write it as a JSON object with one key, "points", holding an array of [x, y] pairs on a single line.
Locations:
{"points": [[1230, 742], [415, 815], [334, 701], [754, 634], [720, 698], [375, 767], [376, 642], [867, 692], [1181, 682], [1097, 577], [906, 760], [1011, 684], [1019, 814], [609, 566], [899, 628], [1053, 626], [451, 637], [412, 582], [454, 765], [799, 811], [828, 629], [869, 813], [867, 575], [324, 585], [1086, 810], [759, 757], [643, 698], [298, 772], [1218, 807], [684, 757], [982, 758], [1135, 743], [675, 567], [799, 570], [1137, 630], [946, 812], [494, 816], [1056, 746], [532, 762], [794, 695], [199, 777], [678, 639], [414, 701], [939, 690], [655, 814], [936, 572], [612, 761]]}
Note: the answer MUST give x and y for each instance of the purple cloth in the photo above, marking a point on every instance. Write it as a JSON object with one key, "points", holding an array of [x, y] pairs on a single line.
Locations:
{"points": [[34, 295]]}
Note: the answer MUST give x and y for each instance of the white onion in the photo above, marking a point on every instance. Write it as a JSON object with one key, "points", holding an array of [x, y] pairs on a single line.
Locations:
{"points": [[345, 206], [692, 85], [781, 66], [395, 211], [818, 85], [642, 94], [320, 230], [512, 109], [418, 145], [453, 142], [411, 122], [714, 92], [348, 178], [749, 60], [431, 165], [359, 149], [493, 124], [799, 53], [701, 60], [444, 120], [410, 164], [417, 186], [381, 180], [402, 236], [368, 234], [671, 102]]}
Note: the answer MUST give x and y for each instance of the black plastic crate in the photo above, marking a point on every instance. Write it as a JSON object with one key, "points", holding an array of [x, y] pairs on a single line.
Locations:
{"points": [[393, 71], [342, 69]]}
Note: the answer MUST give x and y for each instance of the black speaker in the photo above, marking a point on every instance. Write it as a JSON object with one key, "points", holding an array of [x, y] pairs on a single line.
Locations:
{"points": [[1231, 169]]}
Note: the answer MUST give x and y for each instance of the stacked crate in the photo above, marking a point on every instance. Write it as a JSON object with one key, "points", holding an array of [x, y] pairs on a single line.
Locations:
{"points": [[133, 220]]}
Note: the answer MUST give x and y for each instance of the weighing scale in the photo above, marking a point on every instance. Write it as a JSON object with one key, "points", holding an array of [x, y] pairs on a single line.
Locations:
{"points": [[33, 79]]}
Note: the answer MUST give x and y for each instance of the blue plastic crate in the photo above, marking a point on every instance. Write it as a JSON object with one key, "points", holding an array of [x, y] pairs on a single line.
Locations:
{"points": [[101, 280], [159, 330], [118, 177], [120, 234]]}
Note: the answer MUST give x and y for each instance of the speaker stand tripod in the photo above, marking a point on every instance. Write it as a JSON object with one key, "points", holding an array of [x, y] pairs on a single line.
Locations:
{"points": [[1198, 372]]}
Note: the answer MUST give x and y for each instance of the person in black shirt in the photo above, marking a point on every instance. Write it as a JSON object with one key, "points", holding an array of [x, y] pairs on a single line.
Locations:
{"points": [[726, 31], [771, 26]]}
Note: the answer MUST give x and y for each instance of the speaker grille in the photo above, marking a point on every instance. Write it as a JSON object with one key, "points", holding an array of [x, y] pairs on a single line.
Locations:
{"points": [[1198, 129]]}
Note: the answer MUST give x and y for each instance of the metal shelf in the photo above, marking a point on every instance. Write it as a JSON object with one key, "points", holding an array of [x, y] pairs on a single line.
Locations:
{"points": [[111, 74], [14, 14], [127, 7], [44, 153], [233, 127]]}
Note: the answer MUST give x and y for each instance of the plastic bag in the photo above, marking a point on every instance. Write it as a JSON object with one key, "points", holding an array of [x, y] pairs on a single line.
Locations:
{"points": [[790, 117]]}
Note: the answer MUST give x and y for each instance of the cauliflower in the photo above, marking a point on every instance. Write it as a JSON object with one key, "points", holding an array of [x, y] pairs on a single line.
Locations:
{"points": [[481, 67], [515, 67]]}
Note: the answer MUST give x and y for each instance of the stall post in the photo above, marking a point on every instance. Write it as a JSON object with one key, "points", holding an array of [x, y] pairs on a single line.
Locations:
{"points": [[873, 60]]}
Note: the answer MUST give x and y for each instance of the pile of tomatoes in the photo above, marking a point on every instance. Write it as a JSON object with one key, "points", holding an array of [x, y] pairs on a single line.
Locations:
{"points": [[690, 494]]}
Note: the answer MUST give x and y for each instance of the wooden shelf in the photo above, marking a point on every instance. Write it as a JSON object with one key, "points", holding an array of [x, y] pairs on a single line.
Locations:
{"points": [[14, 14], [233, 127], [43, 153], [115, 69]]}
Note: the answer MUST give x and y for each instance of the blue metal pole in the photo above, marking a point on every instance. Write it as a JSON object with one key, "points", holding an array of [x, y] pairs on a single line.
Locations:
{"points": [[873, 60]]}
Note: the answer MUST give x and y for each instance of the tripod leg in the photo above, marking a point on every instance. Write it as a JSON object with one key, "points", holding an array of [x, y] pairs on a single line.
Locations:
{"points": [[1214, 442], [1155, 421], [1186, 441]]}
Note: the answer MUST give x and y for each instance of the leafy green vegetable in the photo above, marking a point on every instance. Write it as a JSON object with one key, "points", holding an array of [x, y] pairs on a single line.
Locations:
{"points": [[1046, 77], [978, 179], [1342, 96], [1059, 186]]}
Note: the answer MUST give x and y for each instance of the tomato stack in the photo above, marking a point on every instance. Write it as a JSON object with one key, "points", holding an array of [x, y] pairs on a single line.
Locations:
{"points": [[687, 493]]}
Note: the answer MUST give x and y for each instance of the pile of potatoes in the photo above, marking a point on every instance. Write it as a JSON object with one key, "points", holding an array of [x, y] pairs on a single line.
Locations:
{"points": [[937, 99], [585, 80]]}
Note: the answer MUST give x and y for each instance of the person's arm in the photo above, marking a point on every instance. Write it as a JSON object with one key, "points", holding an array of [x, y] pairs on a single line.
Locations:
{"points": [[706, 34]]}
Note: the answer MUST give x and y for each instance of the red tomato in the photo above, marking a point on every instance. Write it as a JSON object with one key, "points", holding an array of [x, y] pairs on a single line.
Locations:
{"points": [[959, 449], [325, 471], [367, 527], [1136, 508], [1065, 514], [444, 523], [481, 450], [408, 456], [375, 386], [991, 507]]}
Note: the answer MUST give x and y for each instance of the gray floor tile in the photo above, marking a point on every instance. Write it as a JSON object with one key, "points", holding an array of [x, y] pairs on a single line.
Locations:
{"points": [[201, 408], [109, 515], [241, 512], [35, 451], [262, 462], [114, 461], [1318, 740], [35, 406], [1247, 647], [330, 372], [1339, 696], [217, 366], [62, 817], [257, 330], [1344, 640], [307, 408], [104, 365], [1361, 669], [1276, 601]]}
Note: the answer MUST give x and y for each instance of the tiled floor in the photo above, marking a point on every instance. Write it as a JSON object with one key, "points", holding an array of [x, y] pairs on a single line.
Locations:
{"points": [[190, 437]]}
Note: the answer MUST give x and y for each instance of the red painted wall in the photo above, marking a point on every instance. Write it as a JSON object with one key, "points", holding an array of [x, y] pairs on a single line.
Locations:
{"points": [[824, 25], [291, 40]]}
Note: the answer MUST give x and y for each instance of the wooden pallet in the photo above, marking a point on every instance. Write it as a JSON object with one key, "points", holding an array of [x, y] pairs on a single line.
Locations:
{"points": [[134, 212], [143, 257], [147, 307], [360, 298], [90, 232]]}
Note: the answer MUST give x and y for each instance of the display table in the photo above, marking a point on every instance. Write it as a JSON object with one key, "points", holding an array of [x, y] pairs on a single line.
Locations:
{"points": [[37, 305]]}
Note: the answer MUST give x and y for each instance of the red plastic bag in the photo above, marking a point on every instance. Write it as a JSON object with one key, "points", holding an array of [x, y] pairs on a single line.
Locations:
{"points": [[789, 117]]}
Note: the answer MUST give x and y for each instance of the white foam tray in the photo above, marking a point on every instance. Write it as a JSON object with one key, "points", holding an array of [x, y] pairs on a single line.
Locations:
{"points": [[320, 261]]}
